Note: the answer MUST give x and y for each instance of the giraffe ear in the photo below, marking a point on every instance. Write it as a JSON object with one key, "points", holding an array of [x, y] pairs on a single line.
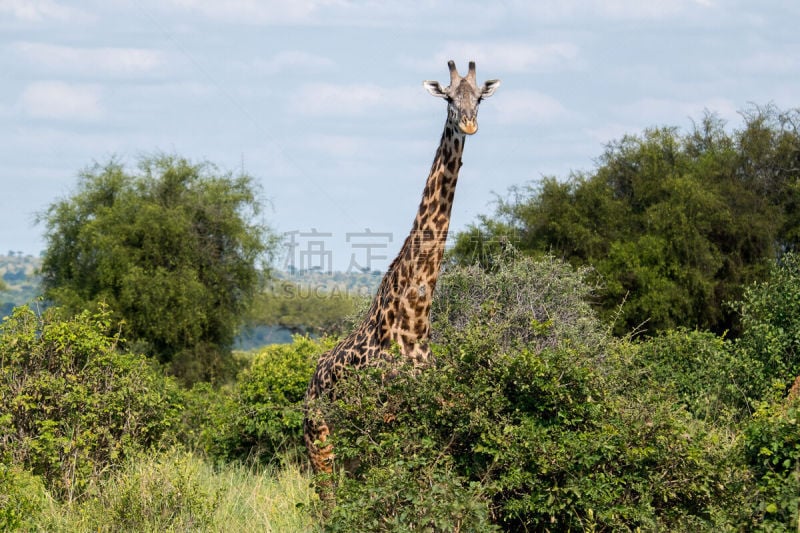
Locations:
{"points": [[434, 88], [489, 88]]}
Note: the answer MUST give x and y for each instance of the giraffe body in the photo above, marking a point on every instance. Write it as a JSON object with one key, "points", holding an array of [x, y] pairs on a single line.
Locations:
{"points": [[400, 311]]}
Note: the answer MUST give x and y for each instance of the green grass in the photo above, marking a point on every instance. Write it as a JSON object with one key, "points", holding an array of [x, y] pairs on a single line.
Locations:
{"points": [[179, 491]]}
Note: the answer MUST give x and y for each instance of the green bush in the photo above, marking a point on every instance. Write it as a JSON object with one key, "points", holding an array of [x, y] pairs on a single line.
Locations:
{"points": [[772, 450], [204, 417], [264, 416], [698, 369], [533, 441], [72, 405], [520, 302], [770, 317], [523, 423], [22, 497]]}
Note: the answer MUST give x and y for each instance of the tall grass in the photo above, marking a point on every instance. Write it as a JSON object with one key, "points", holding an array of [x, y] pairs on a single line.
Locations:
{"points": [[176, 490]]}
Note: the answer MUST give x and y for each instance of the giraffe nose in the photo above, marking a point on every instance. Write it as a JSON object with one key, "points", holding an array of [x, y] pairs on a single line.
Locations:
{"points": [[468, 125]]}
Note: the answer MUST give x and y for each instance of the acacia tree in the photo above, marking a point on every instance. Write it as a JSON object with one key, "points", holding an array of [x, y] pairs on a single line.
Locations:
{"points": [[174, 250]]}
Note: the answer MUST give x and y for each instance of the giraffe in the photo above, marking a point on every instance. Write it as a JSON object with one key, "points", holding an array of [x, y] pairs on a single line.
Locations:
{"points": [[399, 315]]}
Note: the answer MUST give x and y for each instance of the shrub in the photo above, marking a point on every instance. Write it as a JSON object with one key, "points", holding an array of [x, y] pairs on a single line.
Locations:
{"points": [[72, 405], [519, 425], [772, 449], [698, 369], [529, 439], [22, 497], [265, 415], [770, 317], [521, 302]]}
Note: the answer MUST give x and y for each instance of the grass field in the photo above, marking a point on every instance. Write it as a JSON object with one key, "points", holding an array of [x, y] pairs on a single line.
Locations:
{"points": [[178, 491]]}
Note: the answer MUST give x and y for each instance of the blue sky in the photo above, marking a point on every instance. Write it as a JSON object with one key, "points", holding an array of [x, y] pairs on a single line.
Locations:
{"points": [[322, 102]]}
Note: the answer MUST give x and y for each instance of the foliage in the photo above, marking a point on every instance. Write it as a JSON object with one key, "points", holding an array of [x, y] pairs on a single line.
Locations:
{"points": [[525, 431], [770, 313], [697, 369], [72, 405], [520, 302], [22, 497], [532, 418], [770, 316], [772, 449], [172, 250], [672, 223], [264, 416]]}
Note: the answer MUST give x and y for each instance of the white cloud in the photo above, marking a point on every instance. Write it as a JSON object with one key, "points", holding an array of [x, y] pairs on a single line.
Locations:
{"points": [[582, 10], [652, 9], [115, 61], [771, 63], [504, 56], [292, 61], [40, 10], [527, 107], [59, 100], [255, 11], [328, 99]]}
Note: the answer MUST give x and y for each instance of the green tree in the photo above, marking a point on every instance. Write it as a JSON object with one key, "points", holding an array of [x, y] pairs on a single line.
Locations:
{"points": [[173, 249], [674, 224]]}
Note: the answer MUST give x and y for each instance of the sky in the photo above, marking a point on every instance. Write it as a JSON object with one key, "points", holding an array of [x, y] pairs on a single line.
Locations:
{"points": [[322, 102]]}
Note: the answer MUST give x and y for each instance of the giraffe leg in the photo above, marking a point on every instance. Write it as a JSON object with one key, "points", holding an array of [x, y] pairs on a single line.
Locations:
{"points": [[321, 455]]}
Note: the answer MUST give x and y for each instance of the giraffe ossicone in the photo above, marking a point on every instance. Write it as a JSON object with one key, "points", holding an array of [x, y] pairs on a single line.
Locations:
{"points": [[399, 316]]}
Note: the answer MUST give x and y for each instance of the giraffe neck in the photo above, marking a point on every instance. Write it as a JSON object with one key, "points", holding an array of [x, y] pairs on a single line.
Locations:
{"points": [[401, 310]]}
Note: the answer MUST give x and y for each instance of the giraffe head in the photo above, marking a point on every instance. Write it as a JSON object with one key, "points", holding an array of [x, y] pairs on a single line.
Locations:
{"points": [[463, 96]]}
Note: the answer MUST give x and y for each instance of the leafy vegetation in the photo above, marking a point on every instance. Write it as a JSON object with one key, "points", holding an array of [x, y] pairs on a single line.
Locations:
{"points": [[173, 250], [673, 224], [770, 312], [534, 415], [533, 418], [72, 404], [22, 498], [264, 418], [772, 449], [539, 431]]}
